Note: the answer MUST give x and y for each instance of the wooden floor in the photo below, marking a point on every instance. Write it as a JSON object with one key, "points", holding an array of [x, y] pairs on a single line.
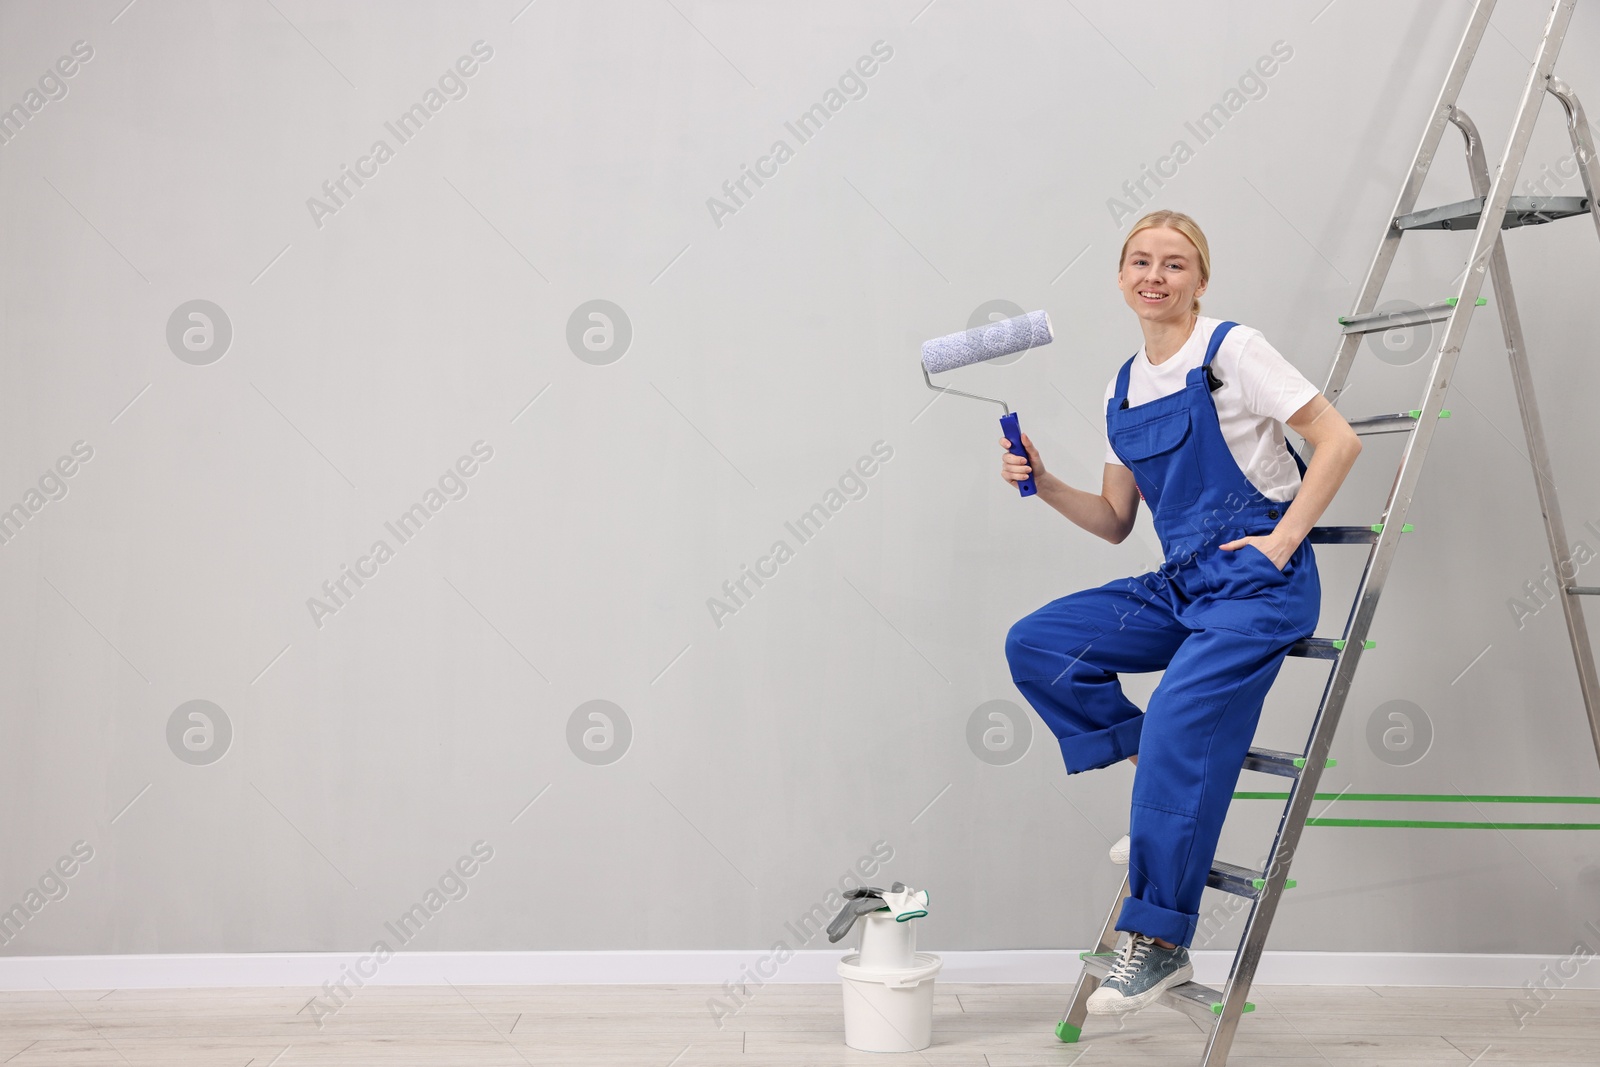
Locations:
{"points": [[785, 1026]]}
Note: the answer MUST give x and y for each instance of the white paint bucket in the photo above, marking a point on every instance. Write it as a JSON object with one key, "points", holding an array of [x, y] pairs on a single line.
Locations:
{"points": [[890, 1010]]}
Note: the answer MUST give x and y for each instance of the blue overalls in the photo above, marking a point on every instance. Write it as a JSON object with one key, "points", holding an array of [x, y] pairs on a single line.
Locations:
{"points": [[1219, 621]]}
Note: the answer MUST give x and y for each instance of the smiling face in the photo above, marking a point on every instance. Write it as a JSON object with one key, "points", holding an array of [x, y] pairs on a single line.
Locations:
{"points": [[1160, 276]]}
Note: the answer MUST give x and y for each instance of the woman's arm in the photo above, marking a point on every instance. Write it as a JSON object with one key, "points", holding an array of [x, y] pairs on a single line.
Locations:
{"points": [[1336, 447], [1109, 515]]}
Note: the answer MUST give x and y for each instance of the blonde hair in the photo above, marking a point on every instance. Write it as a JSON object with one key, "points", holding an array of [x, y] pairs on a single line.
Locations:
{"points": [[1174, 220]]}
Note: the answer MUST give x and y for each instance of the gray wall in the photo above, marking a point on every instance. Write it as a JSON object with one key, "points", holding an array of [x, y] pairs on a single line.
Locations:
{"points": [[768, 750]]}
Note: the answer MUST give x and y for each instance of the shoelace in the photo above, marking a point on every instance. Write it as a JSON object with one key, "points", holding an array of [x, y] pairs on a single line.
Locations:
{"points": [[1133, 954]]}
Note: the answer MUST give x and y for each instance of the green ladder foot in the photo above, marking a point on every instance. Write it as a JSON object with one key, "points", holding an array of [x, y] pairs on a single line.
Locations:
{"points": [[1068, 1033]]}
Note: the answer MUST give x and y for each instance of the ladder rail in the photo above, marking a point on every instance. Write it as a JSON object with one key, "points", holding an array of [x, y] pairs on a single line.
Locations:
{"points": [[1421, 162], [1582, 143], [1078, 1010], [1485, 241], [1533, 425]]}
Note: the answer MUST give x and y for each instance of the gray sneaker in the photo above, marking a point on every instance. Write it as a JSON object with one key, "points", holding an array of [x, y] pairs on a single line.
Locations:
{"points": [[1144, 971]]}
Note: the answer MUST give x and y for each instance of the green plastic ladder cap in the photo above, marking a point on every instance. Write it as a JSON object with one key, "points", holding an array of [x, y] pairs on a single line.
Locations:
{"points": [[1482, 300], [1343, 321], [1259, 883], [1406, 527], [1067, 1032], [1445, 414], [1415, 413], [1216, 1008], [1300, 761], [1370, 644], [1333, 763], [1338, 642]]}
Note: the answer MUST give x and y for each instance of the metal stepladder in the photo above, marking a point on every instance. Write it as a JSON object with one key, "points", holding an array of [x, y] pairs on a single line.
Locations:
{"points": [[1492, 200]]}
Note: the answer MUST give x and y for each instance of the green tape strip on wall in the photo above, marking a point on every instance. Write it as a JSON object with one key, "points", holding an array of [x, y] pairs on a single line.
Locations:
{"points": [[1438, 798], [1430, 798]]}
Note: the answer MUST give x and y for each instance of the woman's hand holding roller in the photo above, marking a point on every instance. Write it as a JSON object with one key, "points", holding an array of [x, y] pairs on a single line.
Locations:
{"points": [[1014, 469]]}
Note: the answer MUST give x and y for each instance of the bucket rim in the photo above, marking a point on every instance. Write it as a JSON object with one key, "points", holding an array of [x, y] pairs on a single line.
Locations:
{"points": [[928, 965]]}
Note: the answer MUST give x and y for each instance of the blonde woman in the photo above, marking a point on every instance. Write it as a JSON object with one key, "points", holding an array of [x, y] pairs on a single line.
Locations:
{"points": [[1194, 427]]}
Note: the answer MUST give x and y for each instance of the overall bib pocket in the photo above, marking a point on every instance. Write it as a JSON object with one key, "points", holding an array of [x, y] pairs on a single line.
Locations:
{"points": [[1162, 451]]}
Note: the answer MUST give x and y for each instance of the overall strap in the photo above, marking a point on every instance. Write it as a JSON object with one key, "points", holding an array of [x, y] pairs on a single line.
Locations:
{"points": [[1217, 335], [1121, 395], [1297, 460], [1221, 331], [1216, 341], [1211, 350]]}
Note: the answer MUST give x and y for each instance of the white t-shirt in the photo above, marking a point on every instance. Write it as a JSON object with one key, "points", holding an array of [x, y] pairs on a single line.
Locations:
{"points": [[1261, 391]]}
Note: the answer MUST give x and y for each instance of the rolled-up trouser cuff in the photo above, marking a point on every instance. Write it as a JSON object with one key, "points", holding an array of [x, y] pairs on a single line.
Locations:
{"points": [[1143, 918], [1102, 748]]}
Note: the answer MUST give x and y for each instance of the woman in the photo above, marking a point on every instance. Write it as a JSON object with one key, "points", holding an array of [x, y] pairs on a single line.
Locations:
{"points": [[1194, 428]]}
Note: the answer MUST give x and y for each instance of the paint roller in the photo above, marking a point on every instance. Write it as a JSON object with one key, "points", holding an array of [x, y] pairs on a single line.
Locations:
{"points": [[990, 341]]}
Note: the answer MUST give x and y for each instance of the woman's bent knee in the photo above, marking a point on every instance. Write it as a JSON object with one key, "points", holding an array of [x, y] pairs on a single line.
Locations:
{"points": [[1040, 647], [1017, 650]]}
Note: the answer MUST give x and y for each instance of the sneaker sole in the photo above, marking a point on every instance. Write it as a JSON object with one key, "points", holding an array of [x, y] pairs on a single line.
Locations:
{"points": [[1119, 856], [1149, 996]]}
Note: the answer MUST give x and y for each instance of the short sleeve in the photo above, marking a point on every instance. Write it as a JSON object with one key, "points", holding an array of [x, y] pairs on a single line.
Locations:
{"points": [[1111, 453], [1269, 384]]}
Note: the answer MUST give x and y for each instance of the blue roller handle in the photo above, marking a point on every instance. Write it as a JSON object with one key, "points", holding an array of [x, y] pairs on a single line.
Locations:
{"points": [[1013, 433]]}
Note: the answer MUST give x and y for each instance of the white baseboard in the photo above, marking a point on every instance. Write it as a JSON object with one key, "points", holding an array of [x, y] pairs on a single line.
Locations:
{"points": [[752, 968]]}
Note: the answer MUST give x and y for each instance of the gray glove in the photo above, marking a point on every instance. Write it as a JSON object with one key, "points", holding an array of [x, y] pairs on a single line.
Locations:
{"points": [[852, 910], [858, 902]]}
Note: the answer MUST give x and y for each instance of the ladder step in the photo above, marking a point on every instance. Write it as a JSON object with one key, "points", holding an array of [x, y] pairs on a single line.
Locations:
{"points": [[1315, 648], [1201, 1003], [1399, 422], [1342, 535], [1521, 211], [1379, 321], [1349, 535], [1273, 761], [1240, 881], [1323, 647], [1231, 878]]}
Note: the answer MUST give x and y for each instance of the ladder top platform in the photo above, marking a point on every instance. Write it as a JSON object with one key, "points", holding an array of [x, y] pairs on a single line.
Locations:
{"points": [[1521, 211]]}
